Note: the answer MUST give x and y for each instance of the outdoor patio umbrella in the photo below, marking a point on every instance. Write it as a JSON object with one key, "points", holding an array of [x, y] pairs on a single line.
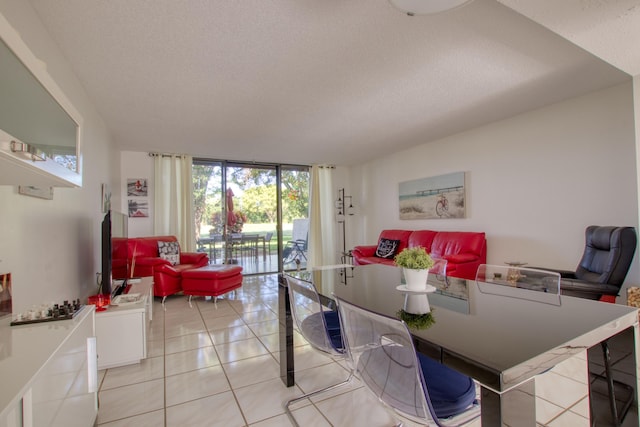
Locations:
{"points": [[231, 221], [231, 216]]}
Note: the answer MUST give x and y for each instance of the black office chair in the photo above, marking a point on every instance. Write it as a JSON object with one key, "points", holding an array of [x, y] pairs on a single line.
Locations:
{"points": [[608, 254], [604, 265]]}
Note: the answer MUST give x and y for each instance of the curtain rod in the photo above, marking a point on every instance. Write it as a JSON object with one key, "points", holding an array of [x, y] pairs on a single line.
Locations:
{"points": [[166, 155]]}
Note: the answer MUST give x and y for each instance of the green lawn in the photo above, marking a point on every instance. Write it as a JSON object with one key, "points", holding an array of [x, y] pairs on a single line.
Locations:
{"points": [[287, 231]]}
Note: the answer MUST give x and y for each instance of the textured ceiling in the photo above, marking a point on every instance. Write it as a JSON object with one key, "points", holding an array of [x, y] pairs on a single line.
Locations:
{"points": [[310, 81], [610, 29]]}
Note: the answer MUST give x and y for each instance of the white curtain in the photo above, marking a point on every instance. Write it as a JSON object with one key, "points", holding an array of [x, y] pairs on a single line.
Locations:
{"points": [[173, 193], [322, 240]]}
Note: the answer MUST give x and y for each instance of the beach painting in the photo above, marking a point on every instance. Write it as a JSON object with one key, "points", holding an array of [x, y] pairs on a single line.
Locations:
{"points": [[437, 197]]}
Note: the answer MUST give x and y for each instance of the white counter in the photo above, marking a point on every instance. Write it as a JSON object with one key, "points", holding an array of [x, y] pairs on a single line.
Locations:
{"points": [[30, 355]]}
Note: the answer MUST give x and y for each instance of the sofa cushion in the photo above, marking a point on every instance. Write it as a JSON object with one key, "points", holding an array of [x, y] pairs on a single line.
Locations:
{"points": [[387, 248], [169, 251], [422, 238], [457, 242], [402, 235]]}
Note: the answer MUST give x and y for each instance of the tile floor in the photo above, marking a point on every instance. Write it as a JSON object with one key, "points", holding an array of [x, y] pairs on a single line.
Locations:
{"points": [[217, 365]]}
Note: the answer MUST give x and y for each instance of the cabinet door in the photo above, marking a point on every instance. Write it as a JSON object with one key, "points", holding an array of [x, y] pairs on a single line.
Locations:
{"points": [[40, 130], [64, 393], [121, 338]]}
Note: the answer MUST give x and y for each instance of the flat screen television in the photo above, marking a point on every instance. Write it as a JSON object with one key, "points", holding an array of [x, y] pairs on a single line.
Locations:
{"points": [[114, 249]]}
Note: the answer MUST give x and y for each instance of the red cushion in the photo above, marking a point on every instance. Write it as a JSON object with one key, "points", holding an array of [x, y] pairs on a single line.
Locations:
{"points": [[456, 242], [423, 238], [212, 272]]}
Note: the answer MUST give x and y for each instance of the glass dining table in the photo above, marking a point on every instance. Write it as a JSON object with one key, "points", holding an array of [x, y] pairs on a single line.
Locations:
{"points": [[500, 336]]}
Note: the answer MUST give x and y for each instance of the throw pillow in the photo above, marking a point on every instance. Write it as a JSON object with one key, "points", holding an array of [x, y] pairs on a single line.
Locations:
{"points": [[169, 251], [387, 248]]}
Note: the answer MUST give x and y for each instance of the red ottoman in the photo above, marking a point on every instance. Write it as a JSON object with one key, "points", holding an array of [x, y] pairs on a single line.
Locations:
{"points": [[211, 280]]}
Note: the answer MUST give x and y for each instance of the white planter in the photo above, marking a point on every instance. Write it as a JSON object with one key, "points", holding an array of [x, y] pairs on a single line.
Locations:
{"points": [[416, 304], [416, 280]]}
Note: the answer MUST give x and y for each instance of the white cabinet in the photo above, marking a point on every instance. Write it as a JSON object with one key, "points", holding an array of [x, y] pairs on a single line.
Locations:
{"points": [[40, 130], [121, 330], [50, 373]]}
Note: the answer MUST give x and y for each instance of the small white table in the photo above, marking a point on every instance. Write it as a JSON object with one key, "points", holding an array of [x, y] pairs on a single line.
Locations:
{"points": [[121, 330]]}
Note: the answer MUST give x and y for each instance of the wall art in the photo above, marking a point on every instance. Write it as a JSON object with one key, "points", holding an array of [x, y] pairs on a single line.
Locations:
{"points": [[41, 193], [137, 187], [138, 208], [436, 197]]}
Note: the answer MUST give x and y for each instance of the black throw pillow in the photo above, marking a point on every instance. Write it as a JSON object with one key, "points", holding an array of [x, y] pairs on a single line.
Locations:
{"points": [[387, 248]]}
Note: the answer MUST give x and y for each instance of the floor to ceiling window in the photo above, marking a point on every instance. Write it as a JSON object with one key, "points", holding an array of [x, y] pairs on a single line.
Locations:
{"points": [[255, 215]]}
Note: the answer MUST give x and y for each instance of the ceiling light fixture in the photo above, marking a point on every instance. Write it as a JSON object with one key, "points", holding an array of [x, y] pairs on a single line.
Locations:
{"points": [[427, 7]]}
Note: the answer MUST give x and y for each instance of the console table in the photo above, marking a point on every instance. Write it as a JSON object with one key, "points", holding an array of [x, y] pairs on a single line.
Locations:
{"points": [[121, 330]]}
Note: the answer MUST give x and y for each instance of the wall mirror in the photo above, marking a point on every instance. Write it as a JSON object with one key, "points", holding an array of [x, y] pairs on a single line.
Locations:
{"points": [[39, 128]]}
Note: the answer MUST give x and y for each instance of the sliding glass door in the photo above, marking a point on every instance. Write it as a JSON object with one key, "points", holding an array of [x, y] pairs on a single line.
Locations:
{"points": [[244, 214], [294, 187]]}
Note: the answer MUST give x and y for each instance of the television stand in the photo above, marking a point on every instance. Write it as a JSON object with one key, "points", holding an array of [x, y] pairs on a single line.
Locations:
{"points": [[121, 330]]}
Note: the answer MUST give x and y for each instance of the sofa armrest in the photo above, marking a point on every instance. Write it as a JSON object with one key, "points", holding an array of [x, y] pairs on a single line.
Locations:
{"points": [[364, 250], [152, 266], [197, 258], [150, 261]]}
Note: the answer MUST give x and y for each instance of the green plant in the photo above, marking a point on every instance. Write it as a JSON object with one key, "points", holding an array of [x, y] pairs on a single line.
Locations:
{"points": [[417, 321], [414, 258]]}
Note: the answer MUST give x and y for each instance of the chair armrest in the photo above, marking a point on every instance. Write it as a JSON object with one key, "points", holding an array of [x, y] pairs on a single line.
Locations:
{"points": [[564, 274], [194, 258], [364, 250], [151, 266], [150, 261]]}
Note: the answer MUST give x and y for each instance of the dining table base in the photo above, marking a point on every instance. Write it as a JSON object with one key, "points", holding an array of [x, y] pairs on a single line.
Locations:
{"points": [[517, 407], [285, 330]]}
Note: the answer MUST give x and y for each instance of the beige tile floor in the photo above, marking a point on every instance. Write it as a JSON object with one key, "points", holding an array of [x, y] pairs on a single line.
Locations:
{"points": [[217, 365]]}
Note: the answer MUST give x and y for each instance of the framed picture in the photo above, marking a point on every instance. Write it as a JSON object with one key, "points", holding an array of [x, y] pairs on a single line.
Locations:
{"points": [[41, 193], [5, 294], [137, 187], [437, 197], [138, 208]]}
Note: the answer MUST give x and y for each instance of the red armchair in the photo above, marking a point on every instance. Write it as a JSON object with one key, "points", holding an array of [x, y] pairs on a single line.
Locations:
{"points": [[144, 260]]}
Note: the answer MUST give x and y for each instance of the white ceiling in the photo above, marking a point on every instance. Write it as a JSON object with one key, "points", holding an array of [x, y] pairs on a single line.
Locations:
{"points": [[329, 81]]}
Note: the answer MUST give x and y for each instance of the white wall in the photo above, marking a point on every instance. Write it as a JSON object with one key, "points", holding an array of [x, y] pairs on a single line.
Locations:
{"points": [[533, 182], [52, 247]]}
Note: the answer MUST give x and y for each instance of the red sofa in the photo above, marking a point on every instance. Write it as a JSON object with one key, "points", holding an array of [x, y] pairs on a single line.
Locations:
{"points": [[464, 251], [143, 259]]}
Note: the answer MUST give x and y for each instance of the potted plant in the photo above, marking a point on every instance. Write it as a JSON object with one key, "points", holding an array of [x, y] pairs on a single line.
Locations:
{"points": [[416, 263]]}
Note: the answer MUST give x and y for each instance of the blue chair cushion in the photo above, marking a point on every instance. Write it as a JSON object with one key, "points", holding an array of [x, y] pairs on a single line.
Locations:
{"points": [[332, 320], [450, 391], [312, 329]]}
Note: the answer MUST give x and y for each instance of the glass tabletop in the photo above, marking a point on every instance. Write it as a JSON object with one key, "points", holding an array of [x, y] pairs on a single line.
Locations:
{"points": [[506, 338]]}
